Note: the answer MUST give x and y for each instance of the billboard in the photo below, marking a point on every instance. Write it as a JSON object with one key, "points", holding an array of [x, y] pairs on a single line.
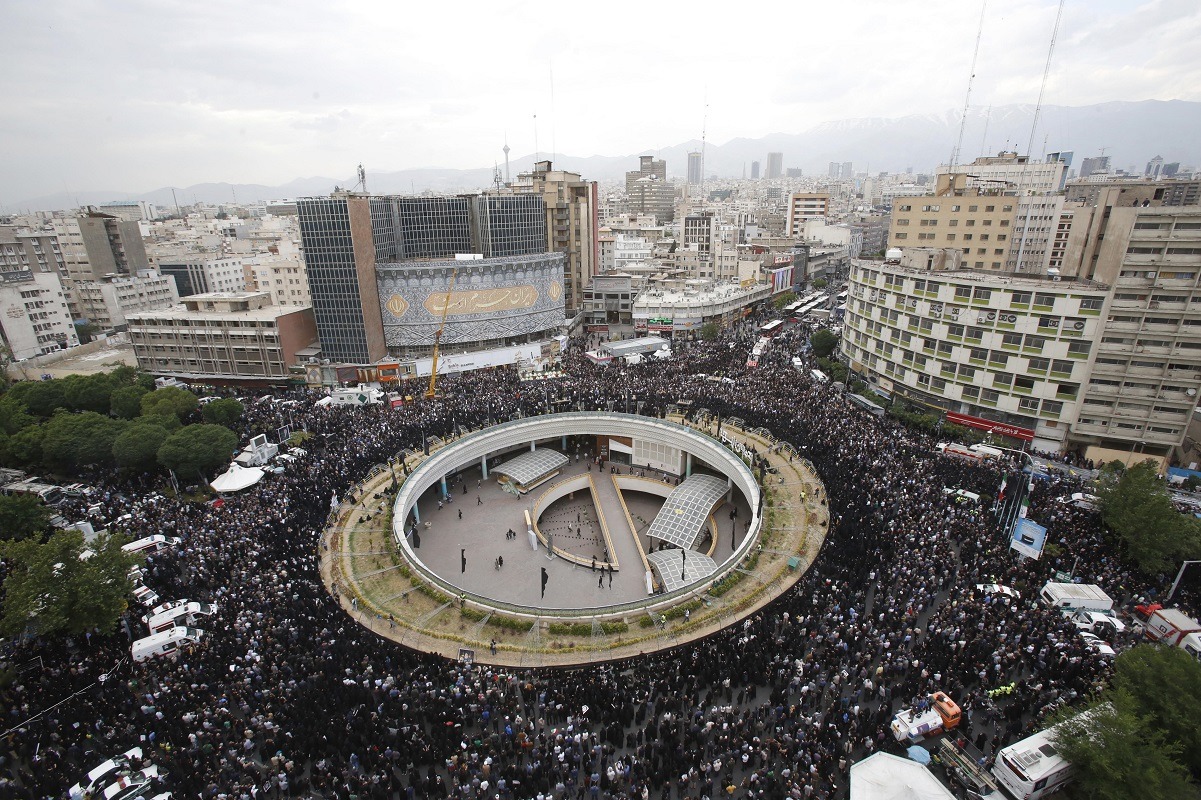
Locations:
{"points": [[979, 423], [1028, 538], [781, 280]]}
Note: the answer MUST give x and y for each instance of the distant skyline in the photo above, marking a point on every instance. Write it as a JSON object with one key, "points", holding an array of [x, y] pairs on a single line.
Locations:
{"points": [[132, 96]]}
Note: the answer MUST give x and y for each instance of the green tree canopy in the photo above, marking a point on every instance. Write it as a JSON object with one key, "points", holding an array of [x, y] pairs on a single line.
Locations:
{"points": [[126, 401], [73, 440], [1142, 675], [14, 415], [1117, 756], [1136, 506], [709, 331], [169, 401], [22, 516], [137, 446], [226, 411], [823, 343], [25, 446], [88, 392], [785, 299], [51, 590], [41, 398], [196, 450]]}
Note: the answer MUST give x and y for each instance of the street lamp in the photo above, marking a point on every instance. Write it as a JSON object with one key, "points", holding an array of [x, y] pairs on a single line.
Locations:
{"points": [[1176, 582]]}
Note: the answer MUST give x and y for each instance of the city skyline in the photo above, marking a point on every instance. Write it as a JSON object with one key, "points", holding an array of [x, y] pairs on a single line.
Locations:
{"points": [[138, 96]]}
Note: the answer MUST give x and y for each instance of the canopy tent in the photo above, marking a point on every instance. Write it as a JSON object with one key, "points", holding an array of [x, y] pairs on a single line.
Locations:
{"points": [[884, 776], [236, 478]]}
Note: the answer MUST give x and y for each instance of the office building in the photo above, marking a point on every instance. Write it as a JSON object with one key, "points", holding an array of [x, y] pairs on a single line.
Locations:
{"points": [[571, 226], [1094, 165], [106, 303], [346, 236], [976, 220], [203, 273], [236, 336], [1009, 171], [36, 319], [1102, 355], [25, 249], [775, 166], [804, 206], [95, 245], [696, 168], [649, 192], [1134, 190], [754, 170]]}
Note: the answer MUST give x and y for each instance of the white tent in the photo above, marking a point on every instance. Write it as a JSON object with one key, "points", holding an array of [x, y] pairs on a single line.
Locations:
{"points": [[884, 776], [236, 478]]}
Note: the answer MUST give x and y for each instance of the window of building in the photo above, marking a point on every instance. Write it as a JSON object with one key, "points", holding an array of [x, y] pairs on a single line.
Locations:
{"points": [[1023, 383], [1035, 343], [973, 209], [1002, 379], [971, 392], [1039, 364], [1028, 404], [902, 222], [1043, 300], [945, 348]]}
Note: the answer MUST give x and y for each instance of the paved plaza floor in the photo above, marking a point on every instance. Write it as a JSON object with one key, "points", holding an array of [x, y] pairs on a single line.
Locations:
{"points": [[462, 540]]}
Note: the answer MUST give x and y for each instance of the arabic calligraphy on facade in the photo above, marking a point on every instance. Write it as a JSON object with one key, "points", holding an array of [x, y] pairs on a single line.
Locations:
{"points": [[482, 301]]}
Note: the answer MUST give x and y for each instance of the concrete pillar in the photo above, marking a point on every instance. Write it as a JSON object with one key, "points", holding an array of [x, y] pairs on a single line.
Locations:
{"points": [[484, 466], [416, 513], [444, 492], [688, 467], [565, 444], [531, 447]]}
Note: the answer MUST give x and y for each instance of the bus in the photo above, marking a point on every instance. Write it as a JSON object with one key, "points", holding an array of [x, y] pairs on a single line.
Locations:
{"points": [[812, 303], [1032, 768], [48, 493], [770, 329]]}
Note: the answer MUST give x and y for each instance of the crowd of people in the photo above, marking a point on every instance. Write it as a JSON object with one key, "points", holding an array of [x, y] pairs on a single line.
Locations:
{"points": [[288, 697]]}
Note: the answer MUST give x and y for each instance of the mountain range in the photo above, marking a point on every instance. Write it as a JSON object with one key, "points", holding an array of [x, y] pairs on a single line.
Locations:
{"points": [[1131, 133]]}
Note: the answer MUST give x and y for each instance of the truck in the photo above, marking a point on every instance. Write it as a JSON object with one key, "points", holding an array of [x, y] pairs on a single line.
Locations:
{"points": [[362, 395], [968, 770], [1173, 627], [914, 724], [1069, 598]]}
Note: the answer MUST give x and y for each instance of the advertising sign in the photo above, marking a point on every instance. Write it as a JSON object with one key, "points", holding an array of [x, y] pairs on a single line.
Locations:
{"points": [[979, 423], [1028, 538]]}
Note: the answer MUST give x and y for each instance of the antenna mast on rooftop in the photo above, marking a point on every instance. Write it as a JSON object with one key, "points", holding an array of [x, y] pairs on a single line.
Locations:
{"points": [[361, 185], [968, 98]]}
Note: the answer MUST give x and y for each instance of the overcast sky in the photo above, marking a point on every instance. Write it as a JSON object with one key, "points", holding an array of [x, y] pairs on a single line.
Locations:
{"points": [[132, 96]]}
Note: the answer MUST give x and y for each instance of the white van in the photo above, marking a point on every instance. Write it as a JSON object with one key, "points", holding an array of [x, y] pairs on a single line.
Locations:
{"points": [[151, 544], [819, 376], [165, 643], [179, 612]]}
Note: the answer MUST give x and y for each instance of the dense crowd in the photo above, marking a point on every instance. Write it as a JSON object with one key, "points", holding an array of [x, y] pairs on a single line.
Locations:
{"points": [[288, 696]]}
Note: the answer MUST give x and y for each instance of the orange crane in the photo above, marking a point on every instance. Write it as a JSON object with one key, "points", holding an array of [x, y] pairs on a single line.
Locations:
{"points": [[433, 390]]}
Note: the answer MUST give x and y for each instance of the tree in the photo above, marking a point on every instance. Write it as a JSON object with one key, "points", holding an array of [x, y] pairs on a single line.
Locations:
{"points": [[22, 516], [709, 331], [126, 402], [823, 343], [85, 331], [1116, 756], [820, 283], [25, 446], [226, 411], [51, 590], [14, 414], [785, 299], [197, 449], [73, 440], [40, 397], [137, 446], [1141, 675], [1138, 509], [88, 392], [169, 401]]}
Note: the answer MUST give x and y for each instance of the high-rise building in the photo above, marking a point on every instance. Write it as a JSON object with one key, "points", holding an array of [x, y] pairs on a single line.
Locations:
{"points": [[755, 170], [1154, 168], [36, 319], [1008, 170], [649, 192], [101, 244], [202, 273], [1096, 164], [977, 221], [696, 168], [571, 226], [775, 165], [348, 239], [804, 206]]}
